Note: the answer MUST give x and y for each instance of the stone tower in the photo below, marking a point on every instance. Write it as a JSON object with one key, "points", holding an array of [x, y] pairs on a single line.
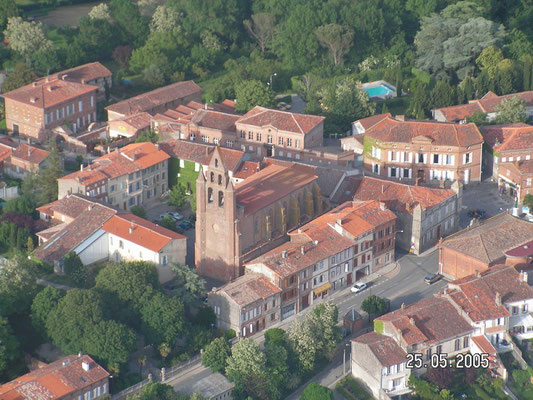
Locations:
{"points": [[217, 228]]}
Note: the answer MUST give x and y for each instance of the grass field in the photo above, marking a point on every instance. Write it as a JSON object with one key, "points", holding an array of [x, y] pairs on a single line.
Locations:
{"points": [[60, 40], [352, 389]]}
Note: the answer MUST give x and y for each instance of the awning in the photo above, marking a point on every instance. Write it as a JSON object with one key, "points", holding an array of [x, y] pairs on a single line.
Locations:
{"points": [[322, 288]]}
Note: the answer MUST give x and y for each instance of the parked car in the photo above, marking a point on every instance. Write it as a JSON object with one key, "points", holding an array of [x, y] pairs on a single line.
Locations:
{"points": [[430, 279], [185, 225], [176, 215], [358, 287]]}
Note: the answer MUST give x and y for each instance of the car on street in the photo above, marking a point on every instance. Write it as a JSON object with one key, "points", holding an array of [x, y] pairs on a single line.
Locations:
{"points": [[358, 287], [430, 279], [175, 215], [185, 225]]}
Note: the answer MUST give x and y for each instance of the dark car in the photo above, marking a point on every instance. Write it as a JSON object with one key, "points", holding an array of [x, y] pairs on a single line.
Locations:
{"points": [[431, 278], [185, 225]]}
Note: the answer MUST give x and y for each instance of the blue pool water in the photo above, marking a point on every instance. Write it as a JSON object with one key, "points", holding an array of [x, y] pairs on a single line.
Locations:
{"points": [[377, 91]]}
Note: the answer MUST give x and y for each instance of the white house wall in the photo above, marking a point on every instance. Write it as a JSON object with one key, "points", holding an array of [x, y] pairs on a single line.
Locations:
{"points": [[94, 248]]}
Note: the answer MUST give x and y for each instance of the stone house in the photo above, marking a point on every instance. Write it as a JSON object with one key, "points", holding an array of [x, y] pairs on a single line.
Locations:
{"points": [[423, 151], [425, 214], [18, 161], [94, 74], [517, 178]]}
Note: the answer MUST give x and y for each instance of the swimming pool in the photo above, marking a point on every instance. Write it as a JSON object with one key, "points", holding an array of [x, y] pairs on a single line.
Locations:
{"points": [[381, 90]]}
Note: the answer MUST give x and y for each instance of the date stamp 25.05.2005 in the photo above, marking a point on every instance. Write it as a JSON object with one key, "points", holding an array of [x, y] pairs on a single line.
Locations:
{"points": [[441, 360]]}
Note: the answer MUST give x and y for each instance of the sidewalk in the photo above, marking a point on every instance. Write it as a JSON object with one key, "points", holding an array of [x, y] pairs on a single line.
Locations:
{"points": [[43, 282]]}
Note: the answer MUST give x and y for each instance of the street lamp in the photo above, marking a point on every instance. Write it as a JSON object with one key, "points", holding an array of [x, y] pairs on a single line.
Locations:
{"points": [[274, 74], [344, 360]]}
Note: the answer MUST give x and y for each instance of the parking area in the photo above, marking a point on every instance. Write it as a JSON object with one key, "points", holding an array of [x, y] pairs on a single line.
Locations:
{"points": [[483, 196]]}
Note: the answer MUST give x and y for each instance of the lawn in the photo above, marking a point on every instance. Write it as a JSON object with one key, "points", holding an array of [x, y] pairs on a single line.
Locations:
{"points": [[352, 389], [59, 39]]}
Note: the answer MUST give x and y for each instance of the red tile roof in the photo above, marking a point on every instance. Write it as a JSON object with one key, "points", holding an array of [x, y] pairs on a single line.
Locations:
{"points": [[487, 104], [55, 380], [508, 137], [488, 241], [484, 345], [43, 94], [271, 184], [398, 196], [215, 120], [523, 167], [86, 72], [384, 348], [150, 100], [230, 158], [369, 122], [246, 169], [71, 206], [427, 321], [30, 154], [524, 250], [439, 133], [137, 121], [249, 288], [281, 120], [140, 231]]}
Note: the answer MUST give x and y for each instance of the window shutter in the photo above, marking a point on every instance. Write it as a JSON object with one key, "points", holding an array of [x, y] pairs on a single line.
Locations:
{"points": [[464, 158], [453, 160], [410, 157], [402, 156], [390, 156], [425, 158], [410, 173]]}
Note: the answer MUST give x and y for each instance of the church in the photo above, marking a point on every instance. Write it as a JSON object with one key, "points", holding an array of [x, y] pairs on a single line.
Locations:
{"points": [[236, 223]]}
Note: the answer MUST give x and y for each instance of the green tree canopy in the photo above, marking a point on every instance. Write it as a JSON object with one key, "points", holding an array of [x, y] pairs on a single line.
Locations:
{"points": [[48, 176], [177, 196], [26, 38], [163, 319], [17, 285], [216, 354], [74, 269], [190, 286], [375, 305], [20, 76], [511, 110], [253, 93], [43, 304], [8, 9], [478, 118], [315, 391], [337, 39], [9, 347], [138, 211], [23, 205]]}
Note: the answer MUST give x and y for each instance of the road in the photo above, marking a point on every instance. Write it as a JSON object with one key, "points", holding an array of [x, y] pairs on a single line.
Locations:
{"points": [[405, 284]]}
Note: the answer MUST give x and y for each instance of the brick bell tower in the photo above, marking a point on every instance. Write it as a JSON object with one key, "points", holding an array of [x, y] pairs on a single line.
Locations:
{"points": [[217, 236]]}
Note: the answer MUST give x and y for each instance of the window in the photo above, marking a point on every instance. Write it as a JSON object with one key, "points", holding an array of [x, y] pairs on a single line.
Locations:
{"points": [[210, 195], [280, 141], [269, 139], [216, 141], [205, 139], [524, 308], [376, 152], [436, 158], [92, 101], [297, 144], [504, 159], [528, 181], [421, 159], [192, 136], [393, 173], [80, 106], [515, 310], [467, 158], [375, 168], [406, 173], [220, 198], [466, 342], [242, 135], [457, 344], [121, 244], [511, 159], [164, 260], [289, 142], [449, 159], [258, 136], [229, 143]]}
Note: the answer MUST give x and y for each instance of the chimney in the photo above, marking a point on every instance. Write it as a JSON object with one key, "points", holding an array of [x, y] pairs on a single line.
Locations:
{"points": [[64, 77], [81, 167], [34, 84], [205, 106], [412, 321], [523, 276], [400, 118], [131, 228], [441, 184], [402, 307], [339, 222], [302, 249], [83, 81], [49, 88], [477, 273], [382, 206], [157, 146], [315, 242], [498, 299], [79, 354], [33, 99], [284, 254], [86, 366]]}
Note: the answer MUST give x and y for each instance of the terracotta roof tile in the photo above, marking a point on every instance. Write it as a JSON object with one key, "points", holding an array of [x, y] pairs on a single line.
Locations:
{"points": [[428, 321], [246, 169], [281, 120], [484, 345], [43, 94], [249, 288], [85, 72], [439, 133], [215, 120], [271, 184], [186, 150], [150, 100], [508, 137], [143, 233], [138, 121], [397, 196], [369, 122], [488, 241], [383, 347], [522, 167]]}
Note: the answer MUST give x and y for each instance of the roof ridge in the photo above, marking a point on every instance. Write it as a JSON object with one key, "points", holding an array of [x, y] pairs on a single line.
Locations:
{"points": [[299, 127]]}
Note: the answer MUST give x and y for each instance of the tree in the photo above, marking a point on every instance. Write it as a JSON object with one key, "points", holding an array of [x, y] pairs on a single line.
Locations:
{"points": [[142, 362], [478, 118], [190, 287], [215, 354], [138, 211], [246, 367], [153, 75], [277, 366], [8, 9], [275, 336], [442, 377], [121, 55], [110, 342], [323, 319], [157, 391], [164, 351], [127, 17], [260, 28], [419, 103], [511, 110], [169, 223], [304, 344], [489, 59], [374, 305], [26, 38], [17, 285], [337, 39], [148, 135], [177, 196], [22, 205], [163, 319], [48, 176], [20, 76], [30, 245], [43, 304], [9, 347], [100, 11], [315, 391], [253, 93], [528, 201], [166, 19], [74, 269], [441, 95]]}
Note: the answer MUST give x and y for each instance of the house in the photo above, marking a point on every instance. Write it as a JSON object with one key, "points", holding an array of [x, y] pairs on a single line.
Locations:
{"points": [[360, 126], [136, 174], [35, 109], [423, 151], [482, 245], [94, 74], [19, 160], [425, 214], [381, 364], [496, 302], [247, 305], [328, 254], [212, 387], [130, 126], [156, 101], [238, 222], [487, 105], [70, 377], [96, 232], [516, 179], [430, 326], [506, 144]]}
